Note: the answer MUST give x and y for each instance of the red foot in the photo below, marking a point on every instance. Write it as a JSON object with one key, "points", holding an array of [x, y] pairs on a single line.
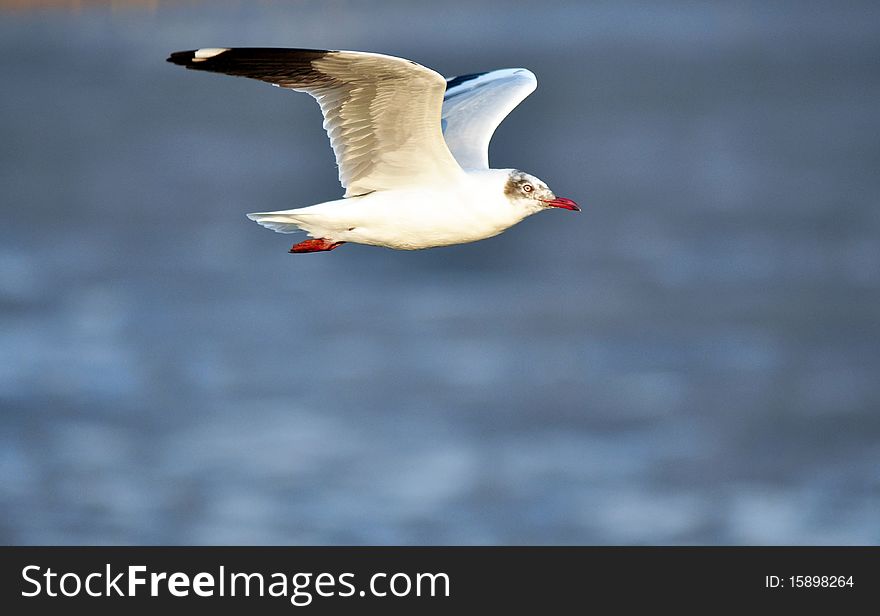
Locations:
{"points": [[318, 245]]}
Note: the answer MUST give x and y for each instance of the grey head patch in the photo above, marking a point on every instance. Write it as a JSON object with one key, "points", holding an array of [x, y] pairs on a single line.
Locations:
{"points": [[515, 181], [522, 186]]}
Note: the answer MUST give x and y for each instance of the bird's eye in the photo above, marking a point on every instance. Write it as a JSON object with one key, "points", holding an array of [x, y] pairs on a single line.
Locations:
{"points": [[527, 188]]}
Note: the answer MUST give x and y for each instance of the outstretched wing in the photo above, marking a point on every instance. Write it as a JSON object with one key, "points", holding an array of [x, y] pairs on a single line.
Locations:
{"points": [[474, 106], [381, 113]]}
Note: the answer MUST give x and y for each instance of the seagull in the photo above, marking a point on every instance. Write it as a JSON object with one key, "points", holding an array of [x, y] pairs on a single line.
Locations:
{"points": [[412, 147]]}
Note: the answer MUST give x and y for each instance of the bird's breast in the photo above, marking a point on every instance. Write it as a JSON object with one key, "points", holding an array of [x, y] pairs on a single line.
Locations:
{"points": [[425, 218]]}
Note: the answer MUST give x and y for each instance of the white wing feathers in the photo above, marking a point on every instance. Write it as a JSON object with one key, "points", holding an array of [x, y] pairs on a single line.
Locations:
{"points": [[474, 106], [380, 112]]}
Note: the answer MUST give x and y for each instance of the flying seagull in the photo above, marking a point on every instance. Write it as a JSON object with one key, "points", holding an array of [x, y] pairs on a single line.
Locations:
{"points": [[411, 147]]}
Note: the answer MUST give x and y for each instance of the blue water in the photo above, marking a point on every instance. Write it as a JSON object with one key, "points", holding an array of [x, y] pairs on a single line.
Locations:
{"points": [[693, 359]]}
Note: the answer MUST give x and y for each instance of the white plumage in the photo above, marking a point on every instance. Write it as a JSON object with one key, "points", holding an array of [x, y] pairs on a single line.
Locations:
{"points": [[411, 147], [474, 108]]}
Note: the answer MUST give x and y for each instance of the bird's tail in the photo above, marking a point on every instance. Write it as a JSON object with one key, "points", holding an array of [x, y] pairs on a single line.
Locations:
{"points": [[286, 221]]}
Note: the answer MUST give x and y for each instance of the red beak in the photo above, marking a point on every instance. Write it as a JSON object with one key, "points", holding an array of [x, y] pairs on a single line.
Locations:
{"points": [[562, 202]]}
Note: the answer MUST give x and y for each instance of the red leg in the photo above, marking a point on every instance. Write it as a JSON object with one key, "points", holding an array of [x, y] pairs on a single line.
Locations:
{"points": [[316, 245]]}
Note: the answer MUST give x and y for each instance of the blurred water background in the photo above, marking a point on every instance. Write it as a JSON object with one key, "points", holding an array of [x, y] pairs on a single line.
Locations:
{"points": [[693, 359]]}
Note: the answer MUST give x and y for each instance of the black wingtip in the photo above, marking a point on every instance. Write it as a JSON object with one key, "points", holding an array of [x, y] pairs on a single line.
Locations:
{"points": [[460, 79], [264, 63], [181, 58]]}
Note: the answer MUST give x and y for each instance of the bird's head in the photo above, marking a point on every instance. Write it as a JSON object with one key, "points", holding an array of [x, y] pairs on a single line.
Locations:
{"points": [[530, 193]]}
